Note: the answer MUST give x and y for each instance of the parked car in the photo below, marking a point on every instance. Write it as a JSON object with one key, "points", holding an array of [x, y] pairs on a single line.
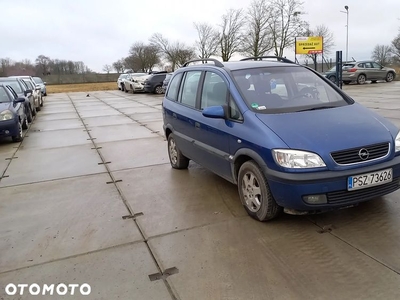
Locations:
{"points": [[36, 90], [166, 81], [121, 77], [42, 85], [153, 84], [286, 137], [22, 91], [363, 71], [131, 82], [12, 114]]}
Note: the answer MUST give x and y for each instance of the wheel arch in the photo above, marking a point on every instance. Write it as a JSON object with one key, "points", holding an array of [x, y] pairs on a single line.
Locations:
{"points": [[243, 155]]}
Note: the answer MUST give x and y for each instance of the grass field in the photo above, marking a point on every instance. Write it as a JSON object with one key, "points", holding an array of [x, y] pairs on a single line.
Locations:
{"points": [[81, 87]]}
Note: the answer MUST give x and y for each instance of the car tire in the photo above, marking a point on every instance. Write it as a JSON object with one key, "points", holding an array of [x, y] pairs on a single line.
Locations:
{"points": [[45, 94], [33, 110], [38, 108], [389, 77], [255, 193], [19, 137], [126, 91], [41, 101], [333, 79], [122, 87], [346, 82], [29, 115], [361, 79], [176, 158], [158, 90], [25, 124]]}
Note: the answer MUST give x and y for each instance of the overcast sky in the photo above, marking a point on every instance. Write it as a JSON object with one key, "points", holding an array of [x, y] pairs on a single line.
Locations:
{"points": [[99, 32]]}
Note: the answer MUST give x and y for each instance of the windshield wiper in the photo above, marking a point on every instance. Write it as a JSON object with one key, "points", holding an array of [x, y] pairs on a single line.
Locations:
{"points": [[317, 108]]}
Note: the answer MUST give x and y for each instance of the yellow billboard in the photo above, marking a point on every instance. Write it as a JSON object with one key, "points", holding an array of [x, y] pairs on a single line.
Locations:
{"points": [[309, 45]]}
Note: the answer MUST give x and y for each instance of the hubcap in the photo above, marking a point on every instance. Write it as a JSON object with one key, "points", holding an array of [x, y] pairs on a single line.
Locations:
{"points": [[173, 153], [390, 77], [361, 79], [251, 192], [159, 90]]}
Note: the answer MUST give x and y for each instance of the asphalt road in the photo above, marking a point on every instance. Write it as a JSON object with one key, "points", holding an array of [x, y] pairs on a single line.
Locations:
{"points": [[89, 197]]}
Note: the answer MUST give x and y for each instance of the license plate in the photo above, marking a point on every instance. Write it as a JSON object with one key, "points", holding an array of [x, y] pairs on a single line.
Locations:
{"points": [[369, 179]]}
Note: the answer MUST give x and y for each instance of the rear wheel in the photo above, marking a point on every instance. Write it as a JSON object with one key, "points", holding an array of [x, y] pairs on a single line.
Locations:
{"points": [[361, 79], [176, 158], [389, 77], [29, 115], [255, 194], [25, 123], [122, 87]]}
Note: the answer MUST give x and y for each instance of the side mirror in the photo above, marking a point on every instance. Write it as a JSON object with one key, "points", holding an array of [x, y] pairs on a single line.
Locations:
{"points": [[45, 83], [19, 100], [215, 112], [27, 92]]}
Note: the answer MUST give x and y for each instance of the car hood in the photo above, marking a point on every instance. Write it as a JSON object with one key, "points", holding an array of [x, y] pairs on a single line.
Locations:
{"points": [[4, 106], [328, 129]]}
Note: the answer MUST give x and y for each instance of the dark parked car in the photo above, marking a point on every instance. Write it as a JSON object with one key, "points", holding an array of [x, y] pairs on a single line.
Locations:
{"points": [[35, 89], [166, 81], [22, 90], [12, 114], [282, 133], [154, 83]]}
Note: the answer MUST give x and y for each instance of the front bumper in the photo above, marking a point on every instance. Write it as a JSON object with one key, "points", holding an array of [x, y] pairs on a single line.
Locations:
{"points": [[9, 128], [148, 88], [288, 189]]}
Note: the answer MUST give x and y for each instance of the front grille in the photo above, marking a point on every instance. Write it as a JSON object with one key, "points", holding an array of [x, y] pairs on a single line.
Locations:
{"points": [[363, 194], [351, 156]]}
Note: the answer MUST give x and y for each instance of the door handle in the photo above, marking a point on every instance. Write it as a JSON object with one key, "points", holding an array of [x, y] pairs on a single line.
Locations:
{"points": [[174, 116], [197, 125]]}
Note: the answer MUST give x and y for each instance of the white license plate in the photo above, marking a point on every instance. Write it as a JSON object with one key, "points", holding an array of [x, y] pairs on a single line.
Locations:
{"points": [[369, 179]]}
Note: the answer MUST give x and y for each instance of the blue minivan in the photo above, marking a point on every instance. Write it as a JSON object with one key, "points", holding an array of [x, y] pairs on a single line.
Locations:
{"points": [[288, 137]]}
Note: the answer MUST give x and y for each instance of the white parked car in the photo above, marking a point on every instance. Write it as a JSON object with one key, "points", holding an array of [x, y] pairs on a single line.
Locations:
{"points": [[135, 82], [120, 81]]}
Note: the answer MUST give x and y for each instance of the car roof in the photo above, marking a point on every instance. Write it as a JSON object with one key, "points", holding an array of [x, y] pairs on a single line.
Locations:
{"points": [[8, 79], [242, 65]]}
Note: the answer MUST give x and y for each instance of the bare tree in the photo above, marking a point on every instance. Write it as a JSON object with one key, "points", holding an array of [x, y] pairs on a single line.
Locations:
{"points": [[396, 48], [172, 52], [231, 35], [327, 38], [382, 54], [286, 23], [42, 63], [107, 68], [119, 65], [5, 64], [146, 56], [183, 55], [257, 39], [208, 40]]}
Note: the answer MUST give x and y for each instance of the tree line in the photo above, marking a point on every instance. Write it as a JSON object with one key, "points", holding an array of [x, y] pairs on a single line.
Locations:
{"points": [[42, 66], [388, 54]]}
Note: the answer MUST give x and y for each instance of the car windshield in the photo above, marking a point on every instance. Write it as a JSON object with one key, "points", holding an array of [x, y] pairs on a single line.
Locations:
{"points": [[122, 76], [16, 87], [38, 80], [286, 89], [3, 95]]}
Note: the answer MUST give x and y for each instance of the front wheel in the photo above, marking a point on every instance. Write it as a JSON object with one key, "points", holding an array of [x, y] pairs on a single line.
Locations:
{"points": [[255, 194], [18, 137], [176, 158], [158, 90], [389, 77], [333, 79]]}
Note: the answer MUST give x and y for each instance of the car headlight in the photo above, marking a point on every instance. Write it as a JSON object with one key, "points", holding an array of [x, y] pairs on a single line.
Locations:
{"points": [[397, 143], [296, 159], [6, 115]]}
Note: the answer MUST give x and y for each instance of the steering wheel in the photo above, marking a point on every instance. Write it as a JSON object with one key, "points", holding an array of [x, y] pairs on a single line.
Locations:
{"points": [[307, 92]]}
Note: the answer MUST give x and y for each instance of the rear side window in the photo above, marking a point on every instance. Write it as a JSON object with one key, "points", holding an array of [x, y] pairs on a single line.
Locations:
{"points": [[189, 88], [173, 87]]}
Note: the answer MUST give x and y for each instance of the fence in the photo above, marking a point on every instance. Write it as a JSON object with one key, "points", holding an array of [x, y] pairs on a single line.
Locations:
{"points": [[80, 78]]}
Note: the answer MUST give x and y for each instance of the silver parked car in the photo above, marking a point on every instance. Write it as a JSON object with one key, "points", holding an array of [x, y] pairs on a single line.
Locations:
{"points": [[363, 71]]}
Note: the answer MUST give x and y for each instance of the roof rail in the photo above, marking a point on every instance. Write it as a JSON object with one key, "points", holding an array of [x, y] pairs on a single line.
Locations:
{"points": [[278, 58], [216, 62]]}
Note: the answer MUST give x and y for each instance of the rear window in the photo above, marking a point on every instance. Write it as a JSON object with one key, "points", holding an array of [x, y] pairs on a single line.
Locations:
{"points": [[285, 89]]}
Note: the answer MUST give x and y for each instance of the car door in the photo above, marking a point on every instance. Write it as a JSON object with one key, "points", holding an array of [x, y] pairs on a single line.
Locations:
{"points": [[379, 71], [210, 134], [369, 71]]}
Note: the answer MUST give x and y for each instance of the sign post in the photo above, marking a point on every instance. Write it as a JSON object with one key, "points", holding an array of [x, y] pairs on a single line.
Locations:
{"points": [[339, 70]]}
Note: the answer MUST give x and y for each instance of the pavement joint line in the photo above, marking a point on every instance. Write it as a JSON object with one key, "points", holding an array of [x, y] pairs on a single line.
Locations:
{"points": [[127, 205], [49, 180], [329, 229], [72, 256]]}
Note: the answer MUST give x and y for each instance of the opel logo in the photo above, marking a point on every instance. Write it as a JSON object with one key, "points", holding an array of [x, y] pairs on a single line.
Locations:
{"points": [[363, 154]]}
